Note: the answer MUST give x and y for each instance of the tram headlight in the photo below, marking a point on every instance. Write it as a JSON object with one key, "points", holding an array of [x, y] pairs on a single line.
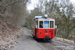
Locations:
{"points": [[46, 30]]}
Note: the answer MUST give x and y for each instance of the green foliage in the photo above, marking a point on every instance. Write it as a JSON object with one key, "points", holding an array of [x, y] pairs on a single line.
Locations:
{"points": [[62, 12], [30, 17]]}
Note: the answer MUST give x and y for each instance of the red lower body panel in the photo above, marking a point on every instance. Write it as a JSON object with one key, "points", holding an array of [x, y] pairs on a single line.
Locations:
{"points": [[42, 33]]}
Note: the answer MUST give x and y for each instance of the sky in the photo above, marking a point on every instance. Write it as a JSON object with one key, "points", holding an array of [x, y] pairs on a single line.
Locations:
{"points": [[33, 2], [32, 5]]}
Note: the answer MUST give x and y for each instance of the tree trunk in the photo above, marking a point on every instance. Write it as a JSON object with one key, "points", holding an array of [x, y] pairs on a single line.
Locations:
{"points": [[64, 34]]}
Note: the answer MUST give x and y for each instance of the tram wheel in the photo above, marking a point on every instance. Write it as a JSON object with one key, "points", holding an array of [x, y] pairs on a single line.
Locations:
{"points": [[50, 40], [45, 40], [35, 38]]}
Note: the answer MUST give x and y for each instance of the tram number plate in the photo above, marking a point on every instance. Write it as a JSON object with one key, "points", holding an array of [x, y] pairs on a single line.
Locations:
{"points": [[46, 33]]}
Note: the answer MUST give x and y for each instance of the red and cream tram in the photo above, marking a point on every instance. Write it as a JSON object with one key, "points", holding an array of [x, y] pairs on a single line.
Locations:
{"points": [[43, 28]]}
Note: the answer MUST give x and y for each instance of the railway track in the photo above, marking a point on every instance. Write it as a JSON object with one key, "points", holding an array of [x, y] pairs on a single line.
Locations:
{"points": [[50, 45], [64, 45], [57, 45]]}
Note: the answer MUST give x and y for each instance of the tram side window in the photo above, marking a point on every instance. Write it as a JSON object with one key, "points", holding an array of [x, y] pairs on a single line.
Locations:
{"points": [[36, 24], [40, 24], [51, 24]]}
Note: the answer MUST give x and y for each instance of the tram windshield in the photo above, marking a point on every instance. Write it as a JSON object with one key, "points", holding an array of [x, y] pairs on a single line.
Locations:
{"points": [[51, 24], [41, 24], [46, 24]]}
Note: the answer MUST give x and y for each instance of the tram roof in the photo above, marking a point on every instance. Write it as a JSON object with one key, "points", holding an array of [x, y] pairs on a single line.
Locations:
{"points": [[44, 19]]}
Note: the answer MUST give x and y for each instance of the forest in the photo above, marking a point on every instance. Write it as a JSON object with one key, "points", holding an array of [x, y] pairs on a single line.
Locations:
{"points": [[62, 11], [14, 14]]}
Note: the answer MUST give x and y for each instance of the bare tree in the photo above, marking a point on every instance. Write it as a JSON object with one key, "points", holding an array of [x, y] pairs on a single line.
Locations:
{"points": [[30, 17], [12, 14], [62, 12]]}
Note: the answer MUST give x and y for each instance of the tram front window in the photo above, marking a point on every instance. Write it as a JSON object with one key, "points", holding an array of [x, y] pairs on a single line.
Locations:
{"points": [[41, 24], [51, 24], [46, 24]]}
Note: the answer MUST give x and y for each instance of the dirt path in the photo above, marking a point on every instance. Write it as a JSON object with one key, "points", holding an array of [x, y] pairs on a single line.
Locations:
{"points": [[27, 42]]}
